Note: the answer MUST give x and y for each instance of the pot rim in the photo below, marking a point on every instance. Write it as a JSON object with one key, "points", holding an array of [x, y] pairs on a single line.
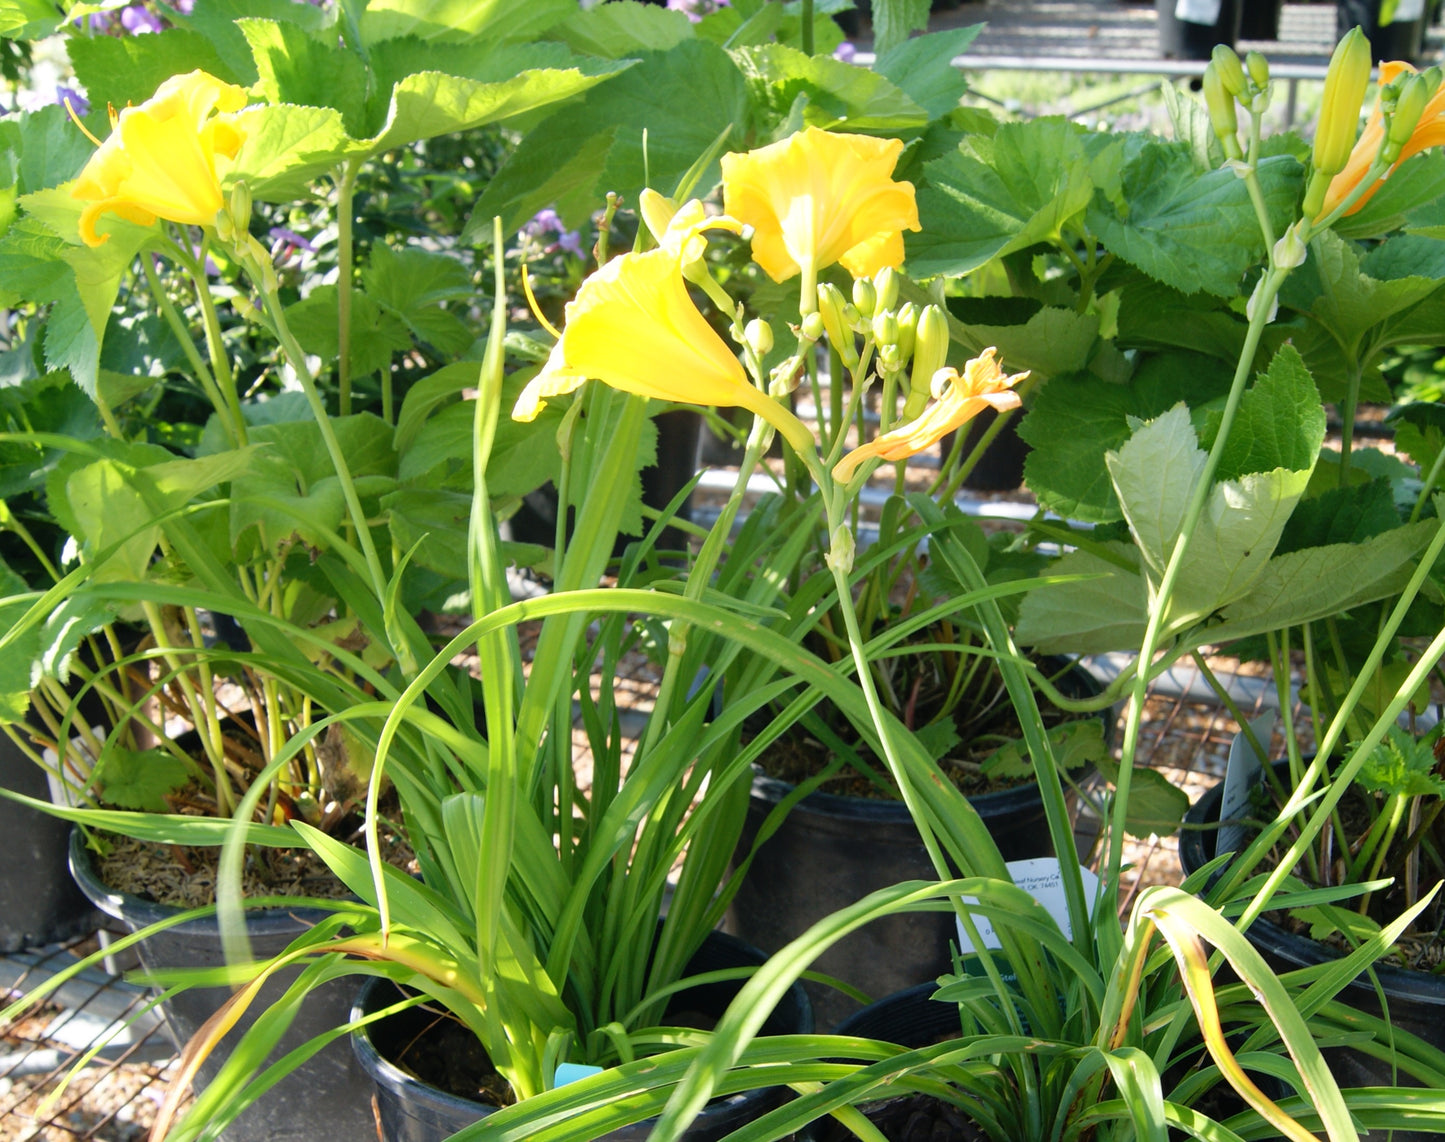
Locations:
{"points": [[1399, 983]]}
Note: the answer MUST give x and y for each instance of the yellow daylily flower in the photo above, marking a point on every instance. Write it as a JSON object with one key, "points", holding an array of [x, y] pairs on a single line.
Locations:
{"points": [[819, 197], [680, 231], [959, 399], [165, 158], [634, 327], [1428, 132]]}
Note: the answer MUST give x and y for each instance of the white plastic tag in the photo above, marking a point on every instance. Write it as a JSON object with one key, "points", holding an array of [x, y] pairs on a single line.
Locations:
{"points": [[77, 770], [1043, 879], [1197, 11]]}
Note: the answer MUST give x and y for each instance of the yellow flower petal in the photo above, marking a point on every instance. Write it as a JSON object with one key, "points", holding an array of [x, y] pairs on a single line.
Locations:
{"points": [[165, 158], [982, 385], [819, 197], [680, 231]]}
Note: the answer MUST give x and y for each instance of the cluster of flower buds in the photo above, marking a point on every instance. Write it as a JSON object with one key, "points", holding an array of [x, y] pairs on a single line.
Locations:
{"points": [[1228, 82], [908, 339], [1402, 102]]}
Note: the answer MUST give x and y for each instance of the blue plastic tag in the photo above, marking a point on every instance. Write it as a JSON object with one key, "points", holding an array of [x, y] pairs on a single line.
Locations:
{"points": [[571, 1072]]}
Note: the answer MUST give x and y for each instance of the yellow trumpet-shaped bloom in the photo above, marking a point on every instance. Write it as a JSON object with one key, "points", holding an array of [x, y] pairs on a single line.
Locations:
{"points": [[960, 397], [1428, 132], [634, 327], [165, 158], [819, 197]]}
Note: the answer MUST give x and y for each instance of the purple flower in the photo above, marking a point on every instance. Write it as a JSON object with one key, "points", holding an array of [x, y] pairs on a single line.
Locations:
{"points": [[546, 222], [138, 20], [695, 10], [291, 238], [184, 7], [101, 22], [845, 52], [68, 96]]}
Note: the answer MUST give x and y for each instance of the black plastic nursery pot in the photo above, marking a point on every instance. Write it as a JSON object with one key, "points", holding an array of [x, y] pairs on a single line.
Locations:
{"points": [[832, 851], [39, 902], [1403, 38], [410, 1110], [327, 1097], [1415, 999], [1190, 29]]}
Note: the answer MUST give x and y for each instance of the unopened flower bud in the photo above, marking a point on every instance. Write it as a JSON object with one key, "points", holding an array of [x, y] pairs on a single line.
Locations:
{"points": [[907, 328], [759, 336], [865, 297], [1252, 306], [891, 359], [886, 282], [930, 347], [241, 206], [1258, 68], [840, 335], [1222, 115], [1339, 120], [885, 328], [224, 227], [784, 378], [244, 309], [1230, 70], [812, 328], [1408, 109]]}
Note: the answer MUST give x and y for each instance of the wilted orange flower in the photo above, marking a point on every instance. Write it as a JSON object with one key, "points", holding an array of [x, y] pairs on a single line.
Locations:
{"points": [[959, 399], [634, 327], [1429, 132], [165, 158], [819, 197]]}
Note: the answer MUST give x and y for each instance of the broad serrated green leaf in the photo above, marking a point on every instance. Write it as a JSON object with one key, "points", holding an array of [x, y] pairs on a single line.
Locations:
{"points": [[553, 167], [287, 148], [425, 396], [140, 780], [624, 27], [455, 20], [1156, 805], [413, 285], [922, 68], [1049, 344], [1074, 421], [1191, 231], [1419, 431], [52, 149], [431, 103], [837, 93], [999, 194], [895, 20], [434, 522], [375, 333], [1075, 744], [1280, 424], [1192, 127], [1406, 256], [122, 70], [1103, 612], [296, 68], [1153, 316], [1154, 472], [28, 19], [218, 22], [1351, 514]]}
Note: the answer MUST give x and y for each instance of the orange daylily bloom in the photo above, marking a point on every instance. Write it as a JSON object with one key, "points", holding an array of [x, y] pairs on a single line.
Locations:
{"points": [[1429, 132], [981, 385], [819, 197], [165, 158], [634, 327]]}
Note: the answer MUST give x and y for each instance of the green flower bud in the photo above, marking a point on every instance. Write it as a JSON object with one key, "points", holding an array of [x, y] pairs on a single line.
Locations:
{"points": [[1230, 70], [841, 549], [1408, 108], [241, 206], [891, 359], [1222, 115], [759, 335], [1345, 84], [812, 328], [1258, 68], [930, 348], [840, 332], [865, 297], [907, 328], [225, 228], [885, 328], [886, 281]]}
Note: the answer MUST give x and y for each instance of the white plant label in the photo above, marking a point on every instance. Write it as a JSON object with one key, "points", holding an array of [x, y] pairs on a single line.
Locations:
{"points": [[1197, 11], [77, 770], [1043, 879], [1242, 775]]}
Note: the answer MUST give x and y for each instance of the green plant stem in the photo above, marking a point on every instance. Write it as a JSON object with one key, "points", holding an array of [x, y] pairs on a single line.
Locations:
{"points": [[188, 347], [297, 357], [1347, 419], [1434, 475], [1227, 700], [345, 197], [1155, 629], [10, 522], [807, 34], [215, 341]]}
